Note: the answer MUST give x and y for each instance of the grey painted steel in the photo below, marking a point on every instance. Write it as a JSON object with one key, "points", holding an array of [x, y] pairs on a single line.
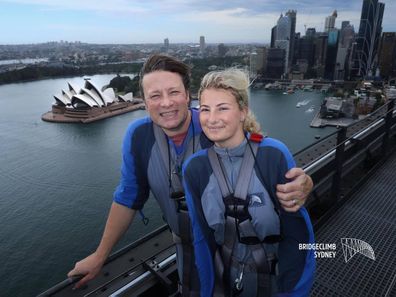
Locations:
{"points": [[162, 264], [369, 215]]}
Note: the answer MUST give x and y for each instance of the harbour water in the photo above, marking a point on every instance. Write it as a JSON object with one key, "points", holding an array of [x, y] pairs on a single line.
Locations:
{"points": [[57, 180]]}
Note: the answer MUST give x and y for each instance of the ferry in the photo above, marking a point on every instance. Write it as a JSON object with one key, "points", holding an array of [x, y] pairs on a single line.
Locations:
{"points": [[311, 109], [302, 103]]}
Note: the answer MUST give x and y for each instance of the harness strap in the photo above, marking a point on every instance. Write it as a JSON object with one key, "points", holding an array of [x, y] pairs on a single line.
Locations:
{"points": [[163, 146], [217, 171], [263, 267], [160, 138], [246, 171], [184, 229], [183, 219]]}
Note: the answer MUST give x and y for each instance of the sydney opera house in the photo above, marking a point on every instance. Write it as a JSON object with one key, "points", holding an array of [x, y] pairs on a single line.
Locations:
{"points": [[89, 104]]}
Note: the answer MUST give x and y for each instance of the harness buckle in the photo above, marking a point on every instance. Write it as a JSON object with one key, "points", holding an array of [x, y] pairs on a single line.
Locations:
{"points": [[238, 284]]}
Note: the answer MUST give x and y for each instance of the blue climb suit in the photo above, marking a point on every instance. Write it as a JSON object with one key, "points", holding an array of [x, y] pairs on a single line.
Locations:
{"points": [[295, 269], [144, 170]]}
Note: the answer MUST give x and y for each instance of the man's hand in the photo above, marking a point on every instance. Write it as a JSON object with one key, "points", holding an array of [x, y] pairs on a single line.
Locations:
{"points": [[88, 267], [293, 195]]}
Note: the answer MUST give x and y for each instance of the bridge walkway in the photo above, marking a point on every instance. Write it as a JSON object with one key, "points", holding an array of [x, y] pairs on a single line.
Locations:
{"points": [[368, 215]]}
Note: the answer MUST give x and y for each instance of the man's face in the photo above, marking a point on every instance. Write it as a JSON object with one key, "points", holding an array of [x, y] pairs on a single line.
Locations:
{"points": [[166, 101]]}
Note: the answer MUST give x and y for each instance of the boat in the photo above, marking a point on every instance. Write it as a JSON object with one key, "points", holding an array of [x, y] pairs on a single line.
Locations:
{"points": [[302, 103], [311, 109]]}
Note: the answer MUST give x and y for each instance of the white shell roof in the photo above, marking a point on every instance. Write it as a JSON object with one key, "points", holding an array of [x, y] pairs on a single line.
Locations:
{"points": [[90, 95], [93, 96], [109, 94], [62, 99], [73, 89], [126, 97], [85, 99]]}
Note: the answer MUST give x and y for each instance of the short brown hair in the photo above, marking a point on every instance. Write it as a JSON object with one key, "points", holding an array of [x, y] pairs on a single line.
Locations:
{"points": [[165, 63]]}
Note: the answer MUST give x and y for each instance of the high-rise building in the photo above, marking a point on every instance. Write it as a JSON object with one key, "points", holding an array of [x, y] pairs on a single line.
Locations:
{"points": [[275, 62], [283, 32], [320, 54], [202, 45], [346, 38], [347, 35], [283, 28], [222, 50], [261, 59], [166, 44], [307, 50], [284, 44], [330, 21], [344, 24], [253, 69], [368, 38], [331, 55], [311, 32], [273, 36], [292, 15], [387, 55]]}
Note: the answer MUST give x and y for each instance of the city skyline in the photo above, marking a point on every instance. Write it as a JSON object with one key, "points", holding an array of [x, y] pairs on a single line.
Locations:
{"points": [[181, 21]]}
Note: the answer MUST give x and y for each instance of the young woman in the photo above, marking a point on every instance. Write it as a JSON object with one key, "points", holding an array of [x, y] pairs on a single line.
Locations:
{"points": [[245, 243]]}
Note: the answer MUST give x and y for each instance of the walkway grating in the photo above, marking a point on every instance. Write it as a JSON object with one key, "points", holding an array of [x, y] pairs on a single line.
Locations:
{"points": [[369, 215]]}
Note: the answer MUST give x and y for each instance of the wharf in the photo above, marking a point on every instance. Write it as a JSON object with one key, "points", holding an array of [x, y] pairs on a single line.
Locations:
{"points": [[318, 122]]}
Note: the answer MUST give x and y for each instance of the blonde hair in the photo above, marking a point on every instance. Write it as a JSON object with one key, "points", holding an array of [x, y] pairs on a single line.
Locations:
{"points": [[235, 81]]}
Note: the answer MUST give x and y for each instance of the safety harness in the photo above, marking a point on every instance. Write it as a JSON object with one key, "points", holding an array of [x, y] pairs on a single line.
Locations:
{"points": [[238, 227], [177, 195]]}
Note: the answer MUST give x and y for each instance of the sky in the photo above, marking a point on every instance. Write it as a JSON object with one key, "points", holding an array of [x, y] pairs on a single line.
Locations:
{"points": [[182, 21]]}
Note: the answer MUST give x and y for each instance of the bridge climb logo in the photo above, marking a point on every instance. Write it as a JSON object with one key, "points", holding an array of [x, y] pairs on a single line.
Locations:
{"points": [[352, 246]]}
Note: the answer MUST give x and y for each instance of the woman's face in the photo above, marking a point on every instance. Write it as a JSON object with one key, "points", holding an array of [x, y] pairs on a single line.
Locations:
{"points": [[221, 118]]}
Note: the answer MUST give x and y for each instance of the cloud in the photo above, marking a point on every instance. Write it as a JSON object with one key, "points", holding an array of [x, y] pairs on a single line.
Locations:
{"points": [[184, 20], [114, 6]]}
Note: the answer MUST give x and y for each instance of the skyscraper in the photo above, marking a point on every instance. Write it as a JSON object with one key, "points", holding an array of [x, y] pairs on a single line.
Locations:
{"points": [[166, 44], [368, 38], [330, 21], [331, 53], [292, 15], [261, 59], [202, 43], [283, 32], [273, 36], [275, 62], [387, 55], [347, 34]]}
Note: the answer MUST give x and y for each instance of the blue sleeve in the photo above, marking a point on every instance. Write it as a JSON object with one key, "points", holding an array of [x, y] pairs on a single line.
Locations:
{"points": [[297, 268], [281, 147], [305, 283], [127, 190], [203, 255]]}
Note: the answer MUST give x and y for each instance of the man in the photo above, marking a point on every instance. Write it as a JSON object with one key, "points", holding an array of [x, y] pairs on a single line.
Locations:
{"points": [[154, 149]]}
